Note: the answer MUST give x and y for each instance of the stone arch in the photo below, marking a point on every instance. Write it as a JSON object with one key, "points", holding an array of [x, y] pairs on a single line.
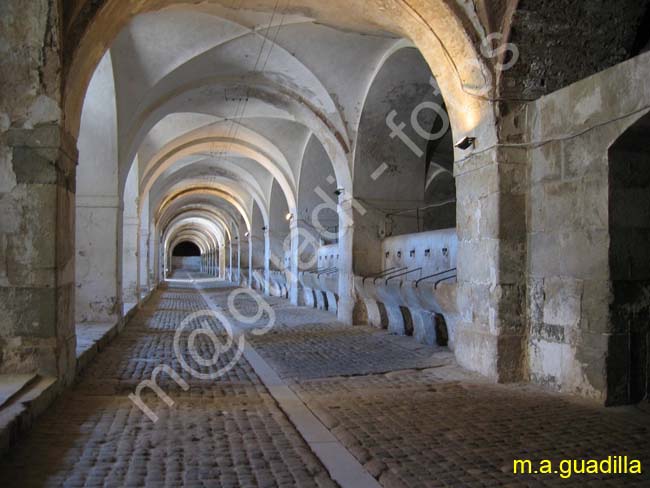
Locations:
{"points": [[168, 159], [629, 265], [403, 171], [279, 228], [439, 29], [98, 215]]}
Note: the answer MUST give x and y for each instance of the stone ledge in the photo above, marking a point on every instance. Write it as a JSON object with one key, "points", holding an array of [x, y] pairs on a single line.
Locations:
{"points": [[19, 413], [101, 335]]}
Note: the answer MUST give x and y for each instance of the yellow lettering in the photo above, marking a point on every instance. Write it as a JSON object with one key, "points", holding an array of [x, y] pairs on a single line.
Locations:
{"points": [[606, 466], [522, 466], [565, 469], [546, 467]]}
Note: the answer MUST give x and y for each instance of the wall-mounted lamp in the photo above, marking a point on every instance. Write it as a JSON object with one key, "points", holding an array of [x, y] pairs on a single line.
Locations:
{"points": [[387, 255], [247, 234], [413, 253], [289, 216], [339, 191], [265, 228], [466, 142]]}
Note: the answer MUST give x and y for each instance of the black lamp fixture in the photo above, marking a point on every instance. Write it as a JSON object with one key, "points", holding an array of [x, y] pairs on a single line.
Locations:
{"points": [[339, 191], [466, 142]]}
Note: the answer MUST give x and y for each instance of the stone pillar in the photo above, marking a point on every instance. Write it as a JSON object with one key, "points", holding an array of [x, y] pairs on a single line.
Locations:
{"points": [[152, 259], [345, 266], [230, 261], [97, 282], [267, 261], [238, 261], [250, 261], [222, 262], [144, 284], [491, 262], [293, 271], [130, 230], [130, 293], [143, 258], [37, 197], [37, 241]]}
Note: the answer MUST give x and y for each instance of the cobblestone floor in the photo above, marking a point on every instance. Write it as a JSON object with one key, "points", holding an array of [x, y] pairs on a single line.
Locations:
{"points": [[443, 426], [319, 351], [405, 411], [420, 428], [223, 432]]}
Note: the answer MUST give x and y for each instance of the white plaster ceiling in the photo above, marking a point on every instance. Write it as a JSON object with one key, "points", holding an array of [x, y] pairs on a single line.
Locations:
{"points": [[230, 100]]}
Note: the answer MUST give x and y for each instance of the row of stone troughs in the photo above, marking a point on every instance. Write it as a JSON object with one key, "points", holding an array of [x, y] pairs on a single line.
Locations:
{"points": [[415, 294]]}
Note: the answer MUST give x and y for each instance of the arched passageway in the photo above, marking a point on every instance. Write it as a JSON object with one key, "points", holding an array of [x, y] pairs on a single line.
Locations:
{"points": [[629, 262], [436, 188], [186, 256]]}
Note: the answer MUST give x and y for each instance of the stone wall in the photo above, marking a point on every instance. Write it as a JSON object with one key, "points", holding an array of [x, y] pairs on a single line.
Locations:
{"points": [[433, 251], [572, 344], [192, 263], [37, 186]]}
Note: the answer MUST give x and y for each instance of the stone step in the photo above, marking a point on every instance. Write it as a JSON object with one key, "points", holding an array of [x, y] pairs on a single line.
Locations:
{"points": [[12, 384], [20, 409]]}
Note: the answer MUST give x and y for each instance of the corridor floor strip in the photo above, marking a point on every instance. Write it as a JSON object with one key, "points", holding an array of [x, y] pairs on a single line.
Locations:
{"points": [[342, 466]]}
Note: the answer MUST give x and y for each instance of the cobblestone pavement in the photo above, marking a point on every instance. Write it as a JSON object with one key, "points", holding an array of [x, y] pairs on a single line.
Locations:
{"points": [[423, 428], [319, 351], [405, 411], [226, 432], [443, 426]]}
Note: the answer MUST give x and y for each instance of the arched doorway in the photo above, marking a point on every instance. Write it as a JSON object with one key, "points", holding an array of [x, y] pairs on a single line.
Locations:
{"points": [[186, 256], [629, 261]]}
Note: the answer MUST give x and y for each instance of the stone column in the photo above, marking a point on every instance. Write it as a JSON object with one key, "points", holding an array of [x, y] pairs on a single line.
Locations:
{"points": [[130, 293], [152, 260], [97, 282], [143, 258], [345, 266], [37, 197], [238, 261], [267, 261], [491, 262], [222, 262], [230, 261], [37, 241], [250, 261], [293, 271]]}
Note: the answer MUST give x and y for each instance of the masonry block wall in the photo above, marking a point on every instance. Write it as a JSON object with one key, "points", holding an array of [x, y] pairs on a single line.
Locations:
{"points": [[573, 345], [37, 186]]}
